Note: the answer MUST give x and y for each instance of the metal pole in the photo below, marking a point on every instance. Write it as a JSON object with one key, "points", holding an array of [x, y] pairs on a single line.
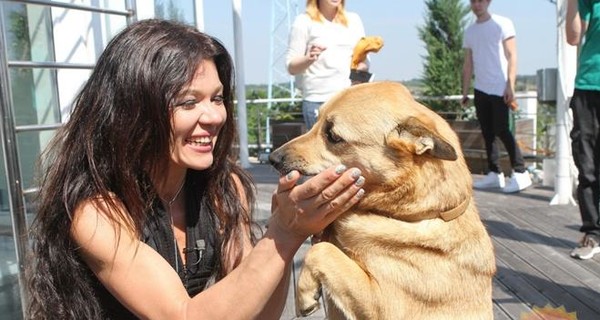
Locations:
{"points": [[131, 8], [567, 57], [240, 83], [199, 6], [270, 86], [11, 161]]}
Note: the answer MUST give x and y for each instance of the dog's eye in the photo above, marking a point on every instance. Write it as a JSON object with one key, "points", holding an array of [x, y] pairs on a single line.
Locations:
{"points": [[332, 137]]}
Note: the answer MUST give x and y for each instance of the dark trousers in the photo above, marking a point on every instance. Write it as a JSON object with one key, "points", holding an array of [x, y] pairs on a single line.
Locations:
{"points": [[585, 146], [493, 114]]}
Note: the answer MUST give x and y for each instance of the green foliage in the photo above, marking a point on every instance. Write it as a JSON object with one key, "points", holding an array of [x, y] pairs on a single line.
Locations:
{"points": [[18, 33], [258, 113], [546, 122], [442, 34]]}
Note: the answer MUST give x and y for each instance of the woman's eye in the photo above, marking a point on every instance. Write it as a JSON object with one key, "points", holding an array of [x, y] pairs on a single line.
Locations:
{"points": [[218, 99], [187, 104]]}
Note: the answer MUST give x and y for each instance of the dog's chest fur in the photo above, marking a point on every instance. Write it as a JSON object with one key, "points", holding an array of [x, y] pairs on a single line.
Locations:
{"points": [[392, 253]]}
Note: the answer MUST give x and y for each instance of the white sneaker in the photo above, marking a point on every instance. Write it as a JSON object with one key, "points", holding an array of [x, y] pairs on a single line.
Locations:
{"points": [[517, 182], [490, 181]]}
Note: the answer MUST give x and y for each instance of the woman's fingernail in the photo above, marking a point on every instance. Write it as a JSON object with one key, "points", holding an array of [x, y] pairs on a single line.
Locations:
{"points": [[355, 174], [360, 181], [360, 193], [290, 176], [340, 169]]}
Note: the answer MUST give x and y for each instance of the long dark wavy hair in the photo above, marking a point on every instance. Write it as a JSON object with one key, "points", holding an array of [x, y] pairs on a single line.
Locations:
{"points": [[114, 145]]}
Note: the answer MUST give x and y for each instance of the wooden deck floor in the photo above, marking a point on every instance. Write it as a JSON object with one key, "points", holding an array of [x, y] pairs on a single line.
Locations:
{"points": [[532, 240]]}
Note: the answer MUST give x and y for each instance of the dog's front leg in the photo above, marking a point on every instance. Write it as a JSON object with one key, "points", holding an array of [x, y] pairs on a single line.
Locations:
{"points": [[344, 281]]}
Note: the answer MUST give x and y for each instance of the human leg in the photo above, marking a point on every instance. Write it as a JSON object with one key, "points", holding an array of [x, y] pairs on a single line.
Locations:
{"points": [[520, 179], [310, 112], [494, 178], [585, 148], [485, 116], [502, 130]]}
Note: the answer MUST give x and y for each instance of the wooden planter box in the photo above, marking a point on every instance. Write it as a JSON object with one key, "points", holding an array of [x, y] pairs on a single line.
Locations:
{"points": [[284, 131]]}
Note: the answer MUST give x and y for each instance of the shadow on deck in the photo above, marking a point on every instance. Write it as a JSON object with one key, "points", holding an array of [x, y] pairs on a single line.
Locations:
{"points": [[532, 241]]}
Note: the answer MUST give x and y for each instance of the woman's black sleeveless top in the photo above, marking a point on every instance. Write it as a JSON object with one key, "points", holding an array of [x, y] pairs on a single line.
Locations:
{"points": [[199, 253]]}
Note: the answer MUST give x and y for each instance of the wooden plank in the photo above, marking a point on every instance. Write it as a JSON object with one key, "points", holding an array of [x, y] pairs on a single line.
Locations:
{"points": [[506, 305], [516, 281], [553, 226], [549, 232], [519, 255], [561, 223]]}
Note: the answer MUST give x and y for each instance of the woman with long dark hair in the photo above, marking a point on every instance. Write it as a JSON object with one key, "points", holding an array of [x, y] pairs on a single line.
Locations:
{"points": [[143, 212]]}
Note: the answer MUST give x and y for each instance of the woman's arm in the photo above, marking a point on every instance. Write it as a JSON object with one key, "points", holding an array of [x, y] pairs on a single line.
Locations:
{"points": [[274, 307], [301, 54], [147, 285]]}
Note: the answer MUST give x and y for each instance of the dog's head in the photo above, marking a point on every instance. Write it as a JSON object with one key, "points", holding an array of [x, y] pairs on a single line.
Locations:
{"points": [[400, 146]]}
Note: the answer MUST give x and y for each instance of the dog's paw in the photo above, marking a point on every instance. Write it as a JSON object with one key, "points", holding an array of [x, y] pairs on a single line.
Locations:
{"points": [[307, 304], [308, 310]]}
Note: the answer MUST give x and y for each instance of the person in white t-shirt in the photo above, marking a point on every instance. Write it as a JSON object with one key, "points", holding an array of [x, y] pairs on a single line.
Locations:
{"points": [[319, 52], [491, 55]]}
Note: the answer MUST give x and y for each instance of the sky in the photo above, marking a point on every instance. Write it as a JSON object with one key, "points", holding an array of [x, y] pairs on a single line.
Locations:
{"points": [[401, 57]]}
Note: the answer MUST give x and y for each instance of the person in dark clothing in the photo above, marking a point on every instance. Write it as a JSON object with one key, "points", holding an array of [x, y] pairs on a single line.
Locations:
{"points": [[143, 211], [583, 22]]}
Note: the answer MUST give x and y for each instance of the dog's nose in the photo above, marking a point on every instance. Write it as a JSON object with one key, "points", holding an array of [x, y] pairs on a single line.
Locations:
{"points": [[276, 158]]}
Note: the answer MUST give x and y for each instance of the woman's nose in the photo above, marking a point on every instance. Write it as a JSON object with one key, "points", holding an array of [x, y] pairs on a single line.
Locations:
{"points": [[210, 113]]}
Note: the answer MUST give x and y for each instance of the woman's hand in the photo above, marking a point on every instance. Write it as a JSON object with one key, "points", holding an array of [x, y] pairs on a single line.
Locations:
{"points": [[314, 51], [306, 209]]}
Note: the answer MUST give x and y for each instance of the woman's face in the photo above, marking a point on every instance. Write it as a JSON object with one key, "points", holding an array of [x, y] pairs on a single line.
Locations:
{"points": [[329, 4], [198, 115]]}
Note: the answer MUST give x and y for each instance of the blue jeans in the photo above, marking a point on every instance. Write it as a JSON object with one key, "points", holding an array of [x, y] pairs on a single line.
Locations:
{"points": [[310, 112]]}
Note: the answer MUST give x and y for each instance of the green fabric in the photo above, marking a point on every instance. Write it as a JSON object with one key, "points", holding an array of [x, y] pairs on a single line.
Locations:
{"points": [[588, 69]]}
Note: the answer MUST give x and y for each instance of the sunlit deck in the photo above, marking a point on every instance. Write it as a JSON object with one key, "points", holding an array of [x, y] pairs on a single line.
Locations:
{"points": [[532, 241]]}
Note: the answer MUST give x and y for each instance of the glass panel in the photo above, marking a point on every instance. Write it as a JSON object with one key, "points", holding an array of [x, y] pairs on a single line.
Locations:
{"points": [[29, 149], [38, 33], [17, 37], [10, 297], [29, 32], [71, 81], [80, 36], [35, 97], [181, 10]]}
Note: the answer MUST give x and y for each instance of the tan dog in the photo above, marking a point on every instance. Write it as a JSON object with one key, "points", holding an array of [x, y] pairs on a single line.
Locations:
{"points": [[414, 247]]}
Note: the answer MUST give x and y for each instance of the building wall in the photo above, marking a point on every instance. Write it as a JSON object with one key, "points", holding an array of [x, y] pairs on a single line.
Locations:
{"points": [[38, 33]]}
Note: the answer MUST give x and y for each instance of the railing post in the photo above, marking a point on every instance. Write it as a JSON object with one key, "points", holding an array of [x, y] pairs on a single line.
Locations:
{"points": [[13, 172]]}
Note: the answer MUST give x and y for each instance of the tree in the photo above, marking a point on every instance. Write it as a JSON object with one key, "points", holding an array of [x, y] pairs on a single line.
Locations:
{"points": [[442, 33]]}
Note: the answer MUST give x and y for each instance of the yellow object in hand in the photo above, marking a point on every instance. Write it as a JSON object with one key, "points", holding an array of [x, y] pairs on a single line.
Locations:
{"points": [[363, 47]]}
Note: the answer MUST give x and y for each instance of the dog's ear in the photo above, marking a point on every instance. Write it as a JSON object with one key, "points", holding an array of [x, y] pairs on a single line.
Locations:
{"points": [[424, 140]]}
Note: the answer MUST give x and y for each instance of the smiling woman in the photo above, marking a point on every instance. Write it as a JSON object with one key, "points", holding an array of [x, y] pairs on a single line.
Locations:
{"points": [[198, 116], [142, 184]]}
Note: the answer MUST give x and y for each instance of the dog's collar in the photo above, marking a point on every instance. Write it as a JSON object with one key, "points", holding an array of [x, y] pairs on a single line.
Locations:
{"points": [[456, 211], [447, 215]]}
